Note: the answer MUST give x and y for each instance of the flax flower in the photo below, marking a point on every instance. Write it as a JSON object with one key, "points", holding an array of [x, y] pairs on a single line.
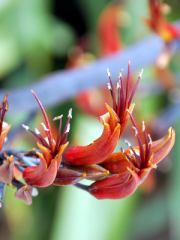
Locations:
{"points": [[132, 166], [114, 122], [50, 158]]}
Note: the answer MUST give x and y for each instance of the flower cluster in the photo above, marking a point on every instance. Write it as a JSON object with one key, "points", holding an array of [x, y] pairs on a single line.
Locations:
{"points": [[115, 175], [124, 171]]}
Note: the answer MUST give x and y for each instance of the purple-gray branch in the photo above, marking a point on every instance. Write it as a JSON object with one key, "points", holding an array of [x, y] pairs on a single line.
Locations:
{"points": [[66, 84]]}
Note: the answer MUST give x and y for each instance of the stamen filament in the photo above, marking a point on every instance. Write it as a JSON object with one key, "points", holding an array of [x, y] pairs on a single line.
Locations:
{"points": [[127, 86], [44, 113]]}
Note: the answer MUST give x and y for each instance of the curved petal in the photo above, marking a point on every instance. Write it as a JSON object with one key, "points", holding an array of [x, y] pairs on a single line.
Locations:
{"points": [[58, 157], [74, 153], [110, 188], [100, 154], [68, 177], [46, 153], [3, 136], [116, 163], [31, 173], [114, 119], [163, 146], [7, 170], [144, 173], [25, 194], [47, 178]]}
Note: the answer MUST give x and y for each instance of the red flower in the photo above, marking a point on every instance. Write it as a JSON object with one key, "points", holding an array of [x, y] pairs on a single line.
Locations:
{"points": [[132, 166], [114, 122], [50, 158], [159, 24], [101, 148]]}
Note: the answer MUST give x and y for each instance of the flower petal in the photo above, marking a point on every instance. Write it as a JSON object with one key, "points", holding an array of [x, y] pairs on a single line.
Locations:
{"points": [[3, 136], [163, 146], [99, 154], [58, 157], [116, 163], [72, 154], [47, 178], [32, 173], [68, 177], [25, 194], [93, 172], [46, 153], [114, 119], [7, 170], [115, 187]]}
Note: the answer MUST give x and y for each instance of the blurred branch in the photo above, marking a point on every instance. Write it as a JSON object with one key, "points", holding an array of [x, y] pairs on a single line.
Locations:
{"points": [[66, 84]]}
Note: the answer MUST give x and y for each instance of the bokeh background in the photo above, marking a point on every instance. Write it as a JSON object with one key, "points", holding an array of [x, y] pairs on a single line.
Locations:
{"points": [[41, 36]]}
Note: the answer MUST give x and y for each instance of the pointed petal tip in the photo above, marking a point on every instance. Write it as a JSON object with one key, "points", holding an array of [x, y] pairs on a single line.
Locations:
{"points": [[163, 146], [25, 194]]}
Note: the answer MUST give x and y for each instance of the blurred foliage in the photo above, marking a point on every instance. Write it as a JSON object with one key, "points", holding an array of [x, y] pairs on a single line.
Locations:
{"points": [[35, 39]]}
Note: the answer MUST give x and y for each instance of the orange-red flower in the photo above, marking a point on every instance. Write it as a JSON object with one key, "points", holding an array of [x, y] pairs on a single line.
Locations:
{"points": [[159, 24], [101, 148], [114, 122], [50, 158], [132, 166]]}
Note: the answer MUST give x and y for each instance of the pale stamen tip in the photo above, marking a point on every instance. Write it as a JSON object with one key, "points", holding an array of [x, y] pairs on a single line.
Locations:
{"points": [[136, 131], [140, 73], [118, 85], [25, 127], [150, 140], [37, 131], [143, 126], [70, 113], [120, 73], [58, 117], [68, 128], [109, 86], [44, 126], [108, 73], [128, 143]]}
